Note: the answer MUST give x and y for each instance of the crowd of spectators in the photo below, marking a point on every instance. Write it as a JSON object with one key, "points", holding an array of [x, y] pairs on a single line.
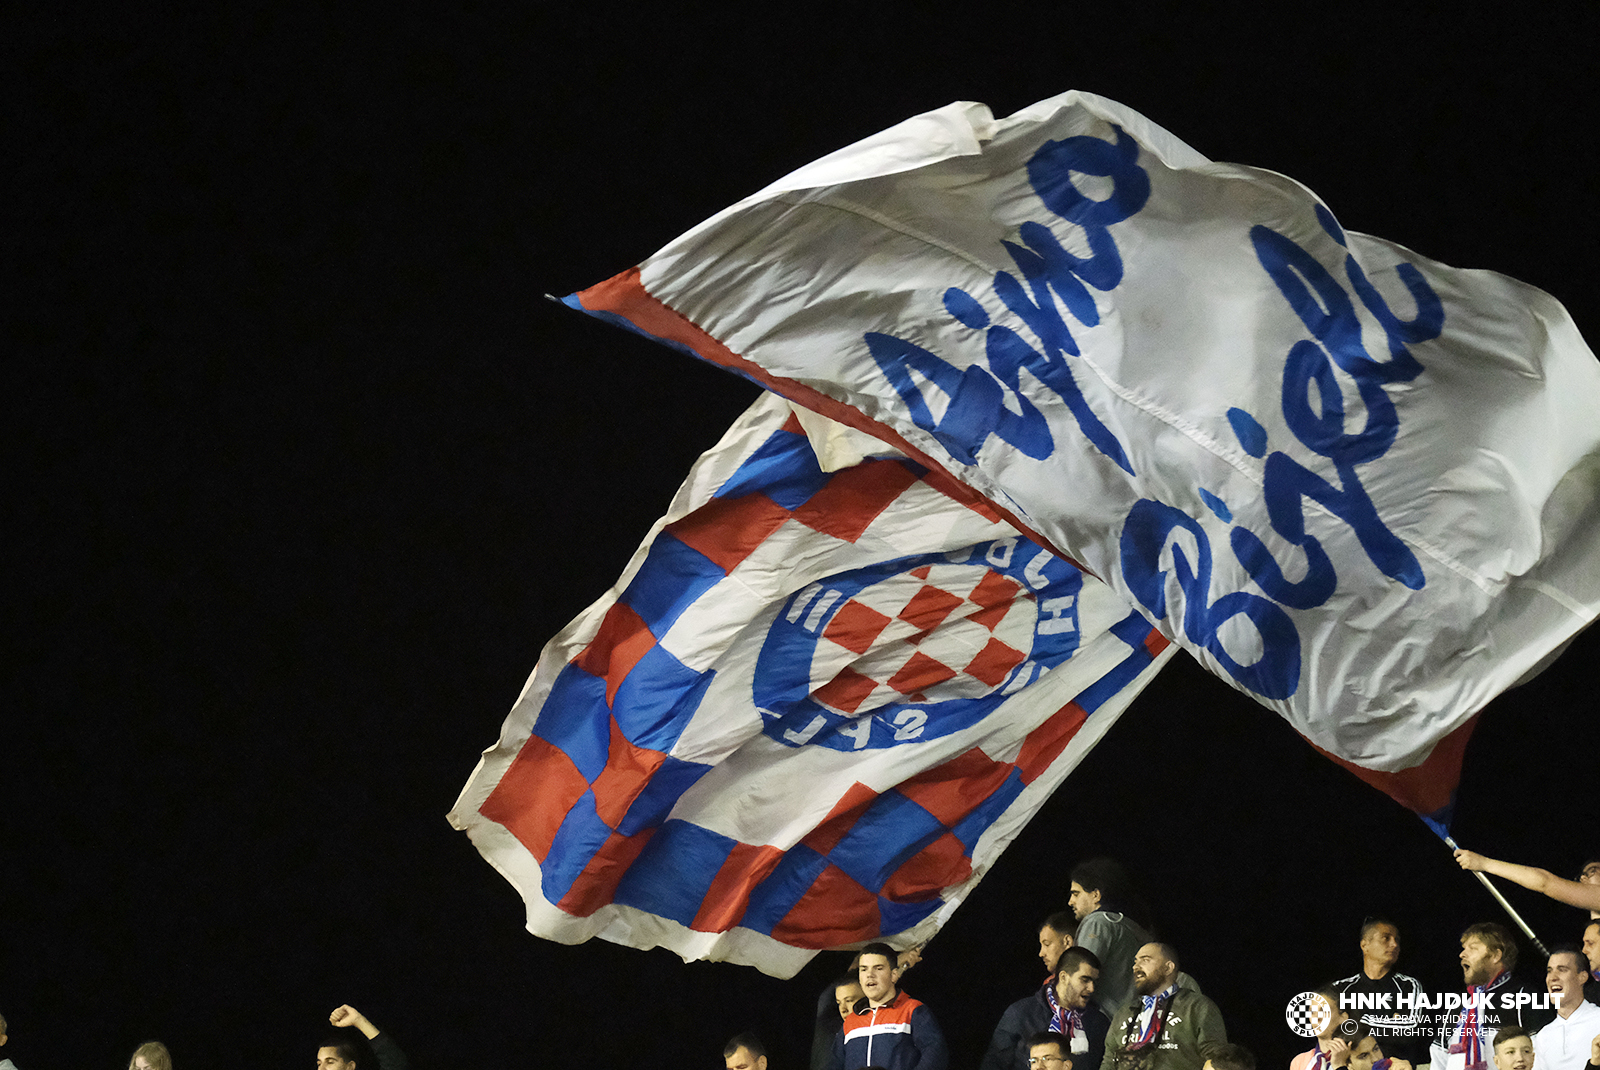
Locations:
{"points": [[1116, 998]]}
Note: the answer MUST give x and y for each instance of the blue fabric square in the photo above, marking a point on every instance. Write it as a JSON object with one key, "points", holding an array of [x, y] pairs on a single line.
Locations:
{"points": [[674, 872], [576, 719], [784, 468], [660, 794], [656, 699], [892, 830], [898, 917], [581, 834], [672, 577], [773, 898]]}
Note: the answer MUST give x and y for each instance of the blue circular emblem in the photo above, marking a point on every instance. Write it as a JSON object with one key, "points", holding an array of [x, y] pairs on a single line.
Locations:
{"points": [[915, 648]]}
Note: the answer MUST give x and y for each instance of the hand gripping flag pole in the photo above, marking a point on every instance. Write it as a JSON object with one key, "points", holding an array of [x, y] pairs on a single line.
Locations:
{"points": [[1483, 879]]}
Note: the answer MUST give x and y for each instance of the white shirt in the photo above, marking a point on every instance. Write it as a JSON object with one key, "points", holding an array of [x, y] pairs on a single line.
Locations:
{"points": [[1564, 1043]]}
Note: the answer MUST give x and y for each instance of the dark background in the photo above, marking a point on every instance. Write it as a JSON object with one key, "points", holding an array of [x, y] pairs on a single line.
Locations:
{"points": [[301, 472]]}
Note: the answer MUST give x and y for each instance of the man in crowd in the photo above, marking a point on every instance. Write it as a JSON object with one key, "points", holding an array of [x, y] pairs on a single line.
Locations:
{"points": [[1401, 1029], [892, 1030], [1062, 1005], [1564, 1043], [1488, 964], [744, 1052], [1168, 1026], [1366, 1053], [1056, 933], [1048, 1051], [342, 1053], [1102, 895], [1591, 951]]}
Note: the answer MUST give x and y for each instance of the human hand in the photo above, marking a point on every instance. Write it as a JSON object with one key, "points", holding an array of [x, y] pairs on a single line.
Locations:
{"points": [[1339, 1052], [909, 957], [1470, 861], [346, 1015]]}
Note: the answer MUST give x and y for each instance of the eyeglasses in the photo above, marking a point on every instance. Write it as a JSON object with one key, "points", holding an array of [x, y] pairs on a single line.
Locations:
{"points": [[1044, 1060]]}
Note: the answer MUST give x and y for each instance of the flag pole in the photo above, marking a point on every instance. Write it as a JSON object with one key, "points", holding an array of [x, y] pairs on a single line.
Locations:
{"points": [[1498, 898]]}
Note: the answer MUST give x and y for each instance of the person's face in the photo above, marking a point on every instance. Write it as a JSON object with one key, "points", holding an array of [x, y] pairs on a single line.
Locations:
{"points": [[1335, 1020], [1564, 977], [1478, 963], [1590, 874], [1074, 990], [878, 975], [1051, 945], [741, 1059], [1048, 1057], [846, 996], [1514, 1054], [328, 1059], [1381, 944], [1365, 1053], [1591, 944], [1082, 901], [1151, 970]]}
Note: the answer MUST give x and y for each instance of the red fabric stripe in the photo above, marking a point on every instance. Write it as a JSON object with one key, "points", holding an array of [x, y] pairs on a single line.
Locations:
{"points": [[826, 836], [1045, 743], [729, 530], [953, 790], [535, 794], [1424, 788], [628, 769], [853, 498], [835, 910], [923, 876], [746, 866], [596, 885], [622, 640]]}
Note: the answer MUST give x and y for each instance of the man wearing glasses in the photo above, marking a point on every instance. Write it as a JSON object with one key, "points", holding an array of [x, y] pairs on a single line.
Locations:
{"points": [[1048, 1051]]}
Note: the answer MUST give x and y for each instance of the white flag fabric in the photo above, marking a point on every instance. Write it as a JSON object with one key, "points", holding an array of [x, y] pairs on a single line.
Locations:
{"points": [[818, 704], [1357, 484]]}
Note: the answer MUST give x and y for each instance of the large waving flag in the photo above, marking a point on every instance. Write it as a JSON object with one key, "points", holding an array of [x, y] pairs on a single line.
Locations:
{"points": [[1356, 484], [813, 711]]}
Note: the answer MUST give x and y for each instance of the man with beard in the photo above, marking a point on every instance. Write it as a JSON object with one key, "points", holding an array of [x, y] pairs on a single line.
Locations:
{"points": [[1166, 1026], [892, 1030], [1063, 1005], [1488, 962], [1395, 1020], [1564, 1044]]}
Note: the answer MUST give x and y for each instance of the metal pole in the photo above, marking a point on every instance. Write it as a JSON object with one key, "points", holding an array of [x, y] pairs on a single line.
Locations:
{"points": [[1498, 898]]}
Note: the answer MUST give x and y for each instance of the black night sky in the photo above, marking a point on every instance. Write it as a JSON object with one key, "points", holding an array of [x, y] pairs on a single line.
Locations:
{"points": [[302, 472]]}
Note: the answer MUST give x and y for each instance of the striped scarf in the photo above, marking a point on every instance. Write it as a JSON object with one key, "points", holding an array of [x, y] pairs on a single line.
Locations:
{"points": [[1154, 1016], [1468, 1038], [1063, 1020]]}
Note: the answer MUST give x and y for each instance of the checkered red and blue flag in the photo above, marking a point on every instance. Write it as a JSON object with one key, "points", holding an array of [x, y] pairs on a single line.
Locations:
{"points": [[813, 711]]}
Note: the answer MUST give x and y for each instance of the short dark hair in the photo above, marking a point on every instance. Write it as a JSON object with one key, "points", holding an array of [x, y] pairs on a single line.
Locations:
{"points": [[847, 979], [1233, 1057], [1576, 952], [1170, 953], [1495, 937], [1064, 922], [1063, 1045], [878, 947], [749, 1041], [1510, 1032], [344, 1045], [1076, 956], [1372, 923]]}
